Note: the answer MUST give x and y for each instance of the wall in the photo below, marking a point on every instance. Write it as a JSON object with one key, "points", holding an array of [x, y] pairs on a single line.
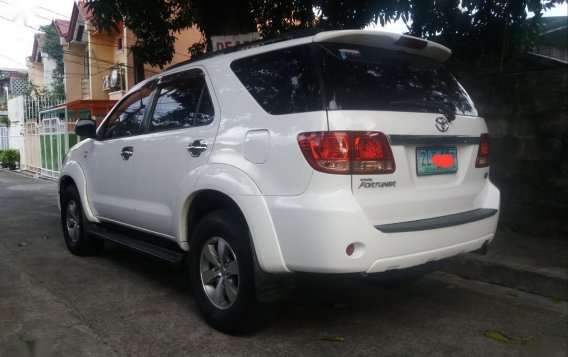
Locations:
{"points": [[73, 57], [184, 40], [527, 115], [101, 52], [48, 67]]}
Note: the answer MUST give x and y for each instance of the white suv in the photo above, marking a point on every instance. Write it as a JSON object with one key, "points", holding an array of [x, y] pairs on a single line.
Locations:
{"points": [[342, 152]]}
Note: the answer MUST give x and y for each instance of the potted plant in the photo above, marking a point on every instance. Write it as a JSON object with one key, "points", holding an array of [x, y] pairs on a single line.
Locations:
{"points": [[9, 158], [2, 159]]}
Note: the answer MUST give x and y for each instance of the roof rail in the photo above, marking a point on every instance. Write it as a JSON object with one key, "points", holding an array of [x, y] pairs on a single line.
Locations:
{"points": [[244, 46]]}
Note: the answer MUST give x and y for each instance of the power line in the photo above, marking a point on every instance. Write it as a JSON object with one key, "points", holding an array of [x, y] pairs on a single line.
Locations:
{"points": [[53, 12], [92, 42], [10, 59], [88, 56]]}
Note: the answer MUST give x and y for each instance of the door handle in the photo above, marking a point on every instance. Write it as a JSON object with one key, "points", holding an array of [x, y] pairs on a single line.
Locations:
{"points": [[126, 152], [197, 147]]}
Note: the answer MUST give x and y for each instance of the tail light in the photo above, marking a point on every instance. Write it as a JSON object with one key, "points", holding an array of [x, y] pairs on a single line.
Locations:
{"points": [[342, 152], [482, 159]]}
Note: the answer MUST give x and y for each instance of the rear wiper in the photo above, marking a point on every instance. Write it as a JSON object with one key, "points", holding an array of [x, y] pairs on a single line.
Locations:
{"points": [[440, 107]]}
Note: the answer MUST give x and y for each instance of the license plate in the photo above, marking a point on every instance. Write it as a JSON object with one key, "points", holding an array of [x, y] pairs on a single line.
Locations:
{"points": [[435, 161]]}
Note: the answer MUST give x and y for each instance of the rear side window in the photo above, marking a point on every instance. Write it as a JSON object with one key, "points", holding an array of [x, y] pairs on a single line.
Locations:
{"points": [[368, 78], [283, 81], [183, 101]]}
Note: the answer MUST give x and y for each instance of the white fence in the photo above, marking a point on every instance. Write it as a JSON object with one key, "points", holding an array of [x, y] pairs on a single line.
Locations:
{"points": [[31, 160], [24, 133], [16, 130], [4, 138], [32, 106]]}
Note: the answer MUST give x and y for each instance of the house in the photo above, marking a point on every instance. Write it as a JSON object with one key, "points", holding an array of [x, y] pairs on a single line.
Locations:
{"points": [[12, 83], [553, 38], [40, 65], [102, 59]]}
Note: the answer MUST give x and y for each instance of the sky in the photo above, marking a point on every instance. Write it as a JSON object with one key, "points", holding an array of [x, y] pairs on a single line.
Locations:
{"points": [[20, 19]]}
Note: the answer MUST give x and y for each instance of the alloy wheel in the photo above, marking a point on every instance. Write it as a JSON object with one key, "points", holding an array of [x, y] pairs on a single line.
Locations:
{"points": [[219, 271], [73, 219]]}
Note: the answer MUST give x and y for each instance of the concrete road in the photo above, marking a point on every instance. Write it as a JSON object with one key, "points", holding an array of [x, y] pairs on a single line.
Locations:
{"points": [[123, 304]]}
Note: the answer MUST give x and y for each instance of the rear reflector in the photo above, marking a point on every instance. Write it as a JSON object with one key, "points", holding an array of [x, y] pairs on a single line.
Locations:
{"points": [[347, 153], [483, 152], [350, 249]]}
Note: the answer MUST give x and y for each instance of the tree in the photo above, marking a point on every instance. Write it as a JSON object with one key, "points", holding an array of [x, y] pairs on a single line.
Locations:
{"points": [[469, 27], [53, 48], [476, 29]]}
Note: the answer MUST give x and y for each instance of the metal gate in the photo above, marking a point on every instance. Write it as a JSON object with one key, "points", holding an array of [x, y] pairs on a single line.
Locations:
{"points": [[31, 158], [54, 145]]}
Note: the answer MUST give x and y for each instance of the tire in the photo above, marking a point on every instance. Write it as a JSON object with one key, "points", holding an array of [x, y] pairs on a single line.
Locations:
{"points": [[73, 224], [223, 288]]}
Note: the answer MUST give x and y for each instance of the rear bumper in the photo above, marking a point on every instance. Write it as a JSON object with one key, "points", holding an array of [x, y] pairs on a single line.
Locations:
{"points": [[314, 232], [438, 222]]}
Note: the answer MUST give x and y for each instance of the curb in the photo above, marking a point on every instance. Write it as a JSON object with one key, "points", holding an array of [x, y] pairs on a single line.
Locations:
{"points": [[547, 282], [29, 174]]}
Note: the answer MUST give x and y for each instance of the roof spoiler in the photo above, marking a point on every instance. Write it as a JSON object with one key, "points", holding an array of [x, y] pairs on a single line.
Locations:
{"points": [[389, 41]]}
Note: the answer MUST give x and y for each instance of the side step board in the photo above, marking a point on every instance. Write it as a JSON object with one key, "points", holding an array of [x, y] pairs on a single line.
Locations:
{"points": [[152, 249]]}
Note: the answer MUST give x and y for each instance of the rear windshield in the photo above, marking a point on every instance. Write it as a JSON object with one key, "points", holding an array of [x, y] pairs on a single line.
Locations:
{"points": [[352, 78], [368, 78]]}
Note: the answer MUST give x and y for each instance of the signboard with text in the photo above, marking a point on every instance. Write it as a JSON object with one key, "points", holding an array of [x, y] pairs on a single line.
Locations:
{"points": [[222, 42]]}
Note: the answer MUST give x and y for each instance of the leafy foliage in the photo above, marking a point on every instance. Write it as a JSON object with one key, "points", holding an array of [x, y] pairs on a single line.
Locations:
{"points": [[33, 90], [4, 120], [470, 27], [10, 156], [479, 29], [53, 48]]}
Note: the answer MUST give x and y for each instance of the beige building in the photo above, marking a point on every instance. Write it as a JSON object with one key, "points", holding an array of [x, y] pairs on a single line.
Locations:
{"points": [[97, 64], [35, 63], [102, 60]]}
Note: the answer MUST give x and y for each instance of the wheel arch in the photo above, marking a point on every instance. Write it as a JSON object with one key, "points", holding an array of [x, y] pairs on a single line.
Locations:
{"points": [[219, 187], [72, 174]]}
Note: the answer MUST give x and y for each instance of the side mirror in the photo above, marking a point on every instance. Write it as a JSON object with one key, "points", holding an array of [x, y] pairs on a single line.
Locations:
{"points": [[86, 128]]}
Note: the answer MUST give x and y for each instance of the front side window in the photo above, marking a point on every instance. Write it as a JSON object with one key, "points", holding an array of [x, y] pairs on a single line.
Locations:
{"points": [[126, 120], [283, 81], [183, 102]]}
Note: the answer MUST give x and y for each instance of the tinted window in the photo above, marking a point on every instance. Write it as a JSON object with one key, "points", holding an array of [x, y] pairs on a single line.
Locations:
{"points": [[126, 120], [367, 78], [183, 101], [282, 81]]}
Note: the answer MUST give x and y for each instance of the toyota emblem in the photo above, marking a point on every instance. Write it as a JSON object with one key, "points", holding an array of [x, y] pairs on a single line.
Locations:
{"points": [[442, 124]]}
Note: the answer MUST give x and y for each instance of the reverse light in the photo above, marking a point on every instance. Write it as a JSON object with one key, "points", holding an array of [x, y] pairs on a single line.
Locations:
{"points": [[347, 153], [483, 152]]}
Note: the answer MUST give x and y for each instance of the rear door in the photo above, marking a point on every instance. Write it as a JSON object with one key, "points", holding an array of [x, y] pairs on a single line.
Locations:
{"points": [[180, 136], [431, 123]]}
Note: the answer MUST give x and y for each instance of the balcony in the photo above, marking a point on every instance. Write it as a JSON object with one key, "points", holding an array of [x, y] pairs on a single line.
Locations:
{"points": [[114, 82]]}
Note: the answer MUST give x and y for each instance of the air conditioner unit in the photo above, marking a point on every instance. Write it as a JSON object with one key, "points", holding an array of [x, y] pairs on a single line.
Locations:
{"points": [[106, 82], [115, 78]]}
